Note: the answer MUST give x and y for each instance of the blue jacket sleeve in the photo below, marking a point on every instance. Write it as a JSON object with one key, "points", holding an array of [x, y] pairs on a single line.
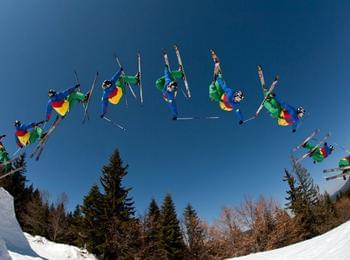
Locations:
{"points": [[285, 106], [167, 77], [48, 110], [67, 92], [173, 108], [238, 112], [104, 102], [116, 76]]}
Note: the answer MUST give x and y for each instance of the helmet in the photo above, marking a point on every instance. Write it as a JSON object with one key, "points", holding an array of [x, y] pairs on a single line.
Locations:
{"points": [[106, 83], [331, 147], [17, 123], [238, 94], [51, 92], [301, 110]]}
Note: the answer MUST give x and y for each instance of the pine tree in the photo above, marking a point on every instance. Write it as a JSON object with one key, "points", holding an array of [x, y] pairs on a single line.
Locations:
{"points": [[303, 199], [92, 226], [74, 235], [195, 234], [152, 233], [121, 228], [172, 240]]}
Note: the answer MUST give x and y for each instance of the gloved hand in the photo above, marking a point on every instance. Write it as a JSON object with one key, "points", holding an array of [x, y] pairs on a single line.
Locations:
{"points": [[77, 86], [294, 130], [240, 122], [102, 115]]}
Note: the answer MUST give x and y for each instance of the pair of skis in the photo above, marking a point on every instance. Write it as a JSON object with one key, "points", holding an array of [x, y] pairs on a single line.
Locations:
{"points": [[345, 171], [187, 92], [139, 83], [10, 172], [3, 165], [318, 145], [41, 145]]}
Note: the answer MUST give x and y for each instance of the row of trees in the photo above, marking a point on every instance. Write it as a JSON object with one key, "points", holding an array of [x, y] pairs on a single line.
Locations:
{"points": [[106, 224]]}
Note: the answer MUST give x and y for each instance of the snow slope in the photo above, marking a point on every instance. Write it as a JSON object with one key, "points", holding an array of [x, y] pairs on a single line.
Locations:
{"points": [[331, 245], [11, 235], [53, 251]]}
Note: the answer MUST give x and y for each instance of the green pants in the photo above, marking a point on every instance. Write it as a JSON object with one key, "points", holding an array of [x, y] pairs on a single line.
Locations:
{"points": [[35, 134], [272, 106], [125, 79], [343, 163], [316, 155], [75, 97], [215, 91], [175, 74]]}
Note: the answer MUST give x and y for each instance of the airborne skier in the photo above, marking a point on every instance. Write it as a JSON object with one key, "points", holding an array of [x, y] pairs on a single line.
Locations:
{"points": [[318, 154], [62, 102], [113, 89], [23, 134], [278, 109], [219, 91]]}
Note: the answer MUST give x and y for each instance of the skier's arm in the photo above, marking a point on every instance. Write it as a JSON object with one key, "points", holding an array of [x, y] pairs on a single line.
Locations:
{"points": [[116, 76], [2, 137], [69, 91], [295, 125], [173, 108], [48, 110], [167, 76], [18, 142], [284, 105], [238, 113]]}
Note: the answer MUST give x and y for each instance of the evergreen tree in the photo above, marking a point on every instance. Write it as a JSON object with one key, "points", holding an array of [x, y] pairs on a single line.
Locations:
{"points": [[121, 228], [152, 230], [74, 235], [195, 234], [303, 199], [171, 236], [35, 218], [92, 226]]}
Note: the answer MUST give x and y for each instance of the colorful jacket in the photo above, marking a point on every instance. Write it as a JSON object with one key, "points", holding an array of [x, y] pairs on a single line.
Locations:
{"points": [[227, 99], [113, 93], [22, 134], [59, 103], [289, 114]]}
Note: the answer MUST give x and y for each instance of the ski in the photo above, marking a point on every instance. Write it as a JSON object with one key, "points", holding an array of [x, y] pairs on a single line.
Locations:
{"points": [[129, 86], [10, 172], [8, 162], [166, 61], [314, 149], [184, 78], [40, 147], [337, 176], [269, 92], [217, 68], [197, 118], [86, 104], [114, 123], [312, 135], [140, 76], [337, 169]]}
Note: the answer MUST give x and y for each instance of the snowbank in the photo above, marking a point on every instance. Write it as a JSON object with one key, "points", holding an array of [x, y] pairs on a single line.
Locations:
{"points": [[11, 235], [331, 245]]}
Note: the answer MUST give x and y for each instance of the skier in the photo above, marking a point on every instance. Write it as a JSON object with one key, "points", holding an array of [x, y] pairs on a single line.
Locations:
{"points": [[23, 134], [62, 102], [283, 112], [114, 88], [227, 98], [319, 153], [4, 157], [344, 162], [168, 85]]}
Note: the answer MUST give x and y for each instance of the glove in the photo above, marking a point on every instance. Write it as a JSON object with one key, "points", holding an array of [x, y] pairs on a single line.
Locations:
{"points": [[240, 122], [174, 118], [102, 115], [77, 86], [294, 130], [41, 122], [2, 136]]}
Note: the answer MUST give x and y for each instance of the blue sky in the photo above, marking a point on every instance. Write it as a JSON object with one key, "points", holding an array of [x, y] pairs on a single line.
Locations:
{"points": [[208, 163]]}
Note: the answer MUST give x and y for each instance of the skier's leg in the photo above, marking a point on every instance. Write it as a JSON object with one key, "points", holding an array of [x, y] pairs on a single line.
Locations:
{"points": [[132, 80], [215, 92], [160, 83], [35, 134], [272, 106], [309, 146], [177, 74], [75, 97]]}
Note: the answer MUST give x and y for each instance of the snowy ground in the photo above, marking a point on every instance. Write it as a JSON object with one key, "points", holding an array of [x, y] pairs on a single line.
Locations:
{"points": [[331, 245], [16, 245]]}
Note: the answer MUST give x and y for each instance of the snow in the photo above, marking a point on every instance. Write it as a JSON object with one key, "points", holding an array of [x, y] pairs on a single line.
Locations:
{"points": [[16, 245], [331, 245]]}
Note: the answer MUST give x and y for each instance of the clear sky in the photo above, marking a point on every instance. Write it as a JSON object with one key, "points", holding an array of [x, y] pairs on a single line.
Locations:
{"points": [[208, 163]]}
